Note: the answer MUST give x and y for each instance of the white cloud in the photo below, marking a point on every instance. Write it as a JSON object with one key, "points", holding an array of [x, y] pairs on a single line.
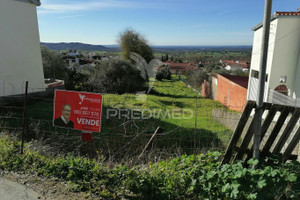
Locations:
{"points": [[71, 6]]}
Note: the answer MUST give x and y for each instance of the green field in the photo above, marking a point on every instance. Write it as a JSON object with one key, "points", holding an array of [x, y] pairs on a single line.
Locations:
{"points": [[168, 103], [175, 95]]}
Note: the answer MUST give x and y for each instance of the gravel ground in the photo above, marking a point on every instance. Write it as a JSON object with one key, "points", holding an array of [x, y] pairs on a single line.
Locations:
{"points": [[22, 186]]}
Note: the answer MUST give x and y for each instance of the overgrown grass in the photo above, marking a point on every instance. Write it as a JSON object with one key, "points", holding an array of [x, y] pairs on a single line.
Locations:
{"points": [[197, 131], [175, 95], [185, 177]]}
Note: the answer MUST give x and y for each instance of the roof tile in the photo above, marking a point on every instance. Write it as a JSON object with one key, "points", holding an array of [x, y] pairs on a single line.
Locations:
{"points": [[287, 13]]}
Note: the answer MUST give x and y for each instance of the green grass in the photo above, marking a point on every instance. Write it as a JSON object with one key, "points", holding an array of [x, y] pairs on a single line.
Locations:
{"points": [[198, 131]]}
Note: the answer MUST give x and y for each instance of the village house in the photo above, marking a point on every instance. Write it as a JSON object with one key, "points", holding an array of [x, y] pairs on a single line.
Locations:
{"points": [[231, 65], [283, 64], [179, 68], [73, 58], [19, 36]]}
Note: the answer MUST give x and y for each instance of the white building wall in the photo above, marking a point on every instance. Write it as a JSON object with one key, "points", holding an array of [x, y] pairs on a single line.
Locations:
{"points": [[20, 55], [255, 60], [283, 55], [296, 93], [285, 59], [256, 50]]}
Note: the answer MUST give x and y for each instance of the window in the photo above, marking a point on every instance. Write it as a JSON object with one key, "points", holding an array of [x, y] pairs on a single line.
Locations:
{"points": [[255, 74]]}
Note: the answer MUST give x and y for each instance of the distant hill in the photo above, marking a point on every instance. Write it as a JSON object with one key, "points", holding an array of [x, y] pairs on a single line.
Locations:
{"points": [[116, 47], [75, 45]]}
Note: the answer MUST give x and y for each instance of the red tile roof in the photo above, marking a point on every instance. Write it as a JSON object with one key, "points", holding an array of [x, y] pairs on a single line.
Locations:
{"points": [[275, 16], [181, 66], [226, 61], [287, 13], [239, 64], [230, 63], [240, 80], [245, 64]]}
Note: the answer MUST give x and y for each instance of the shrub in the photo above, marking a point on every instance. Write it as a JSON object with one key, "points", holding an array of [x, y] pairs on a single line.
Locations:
{"points": [[196, 78], [114, 76], [163, 73]]}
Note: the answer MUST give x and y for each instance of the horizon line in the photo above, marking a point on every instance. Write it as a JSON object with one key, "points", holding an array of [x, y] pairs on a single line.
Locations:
{"points": [[158, 45]]}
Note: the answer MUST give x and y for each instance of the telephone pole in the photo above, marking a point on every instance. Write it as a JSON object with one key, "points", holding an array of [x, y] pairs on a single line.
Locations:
{"points": [[262, 78]]}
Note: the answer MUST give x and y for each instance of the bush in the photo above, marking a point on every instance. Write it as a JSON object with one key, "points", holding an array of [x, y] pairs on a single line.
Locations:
{"points": [[163, 73], [202, 177], [196, 78], [114, 76], [76, 80]]}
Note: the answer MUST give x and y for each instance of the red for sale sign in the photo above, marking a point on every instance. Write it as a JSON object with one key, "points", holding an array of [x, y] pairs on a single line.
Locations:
{"points": [[77, 110]]}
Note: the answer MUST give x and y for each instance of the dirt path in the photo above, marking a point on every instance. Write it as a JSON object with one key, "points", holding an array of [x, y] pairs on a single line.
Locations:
{"points": [[21, 186], [10, 190]]}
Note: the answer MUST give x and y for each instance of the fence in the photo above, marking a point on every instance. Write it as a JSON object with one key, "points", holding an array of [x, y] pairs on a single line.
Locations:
{"points": [[279, 135], [122, 137], [271, 95], [278, 98]]}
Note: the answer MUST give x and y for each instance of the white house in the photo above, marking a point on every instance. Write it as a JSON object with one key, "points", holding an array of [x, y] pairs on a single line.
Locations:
{"points": [[283, 65], [20, 54], [231, 65]]}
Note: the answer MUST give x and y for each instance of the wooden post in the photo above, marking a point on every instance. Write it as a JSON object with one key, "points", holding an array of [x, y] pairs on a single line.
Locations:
{"points": [[154, 134], [196, 118], [24, 116]]}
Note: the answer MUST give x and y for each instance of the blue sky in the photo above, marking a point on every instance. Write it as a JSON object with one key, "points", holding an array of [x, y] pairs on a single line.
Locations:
{"points": [[162, 22]]}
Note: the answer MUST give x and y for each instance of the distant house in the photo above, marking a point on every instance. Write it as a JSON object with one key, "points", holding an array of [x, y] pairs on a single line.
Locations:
{"points": [[231, 65], [74, 59], [178, 68], [283, 65], [19, 36], [230, 90], [73, 53]]}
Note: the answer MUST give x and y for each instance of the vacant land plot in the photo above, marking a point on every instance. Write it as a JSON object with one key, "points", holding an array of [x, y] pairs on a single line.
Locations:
{"points": [[129, 120]]}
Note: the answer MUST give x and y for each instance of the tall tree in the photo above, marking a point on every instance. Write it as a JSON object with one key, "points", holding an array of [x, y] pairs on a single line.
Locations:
{"points": [[167, 57], [53, 64], [132, 41]]}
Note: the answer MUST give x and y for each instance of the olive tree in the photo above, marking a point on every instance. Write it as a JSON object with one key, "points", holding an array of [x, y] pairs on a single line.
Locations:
{"points": [[53, 64], [114, 76], [196, 78], [132, 41]]}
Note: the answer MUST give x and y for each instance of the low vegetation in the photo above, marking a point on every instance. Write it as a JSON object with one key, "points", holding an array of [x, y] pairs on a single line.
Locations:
{"points": [[167, 96], [123, 138], [185, 177]]}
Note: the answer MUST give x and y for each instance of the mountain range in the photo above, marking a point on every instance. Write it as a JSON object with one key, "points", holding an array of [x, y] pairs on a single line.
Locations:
{"points": [[75, 46]]}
